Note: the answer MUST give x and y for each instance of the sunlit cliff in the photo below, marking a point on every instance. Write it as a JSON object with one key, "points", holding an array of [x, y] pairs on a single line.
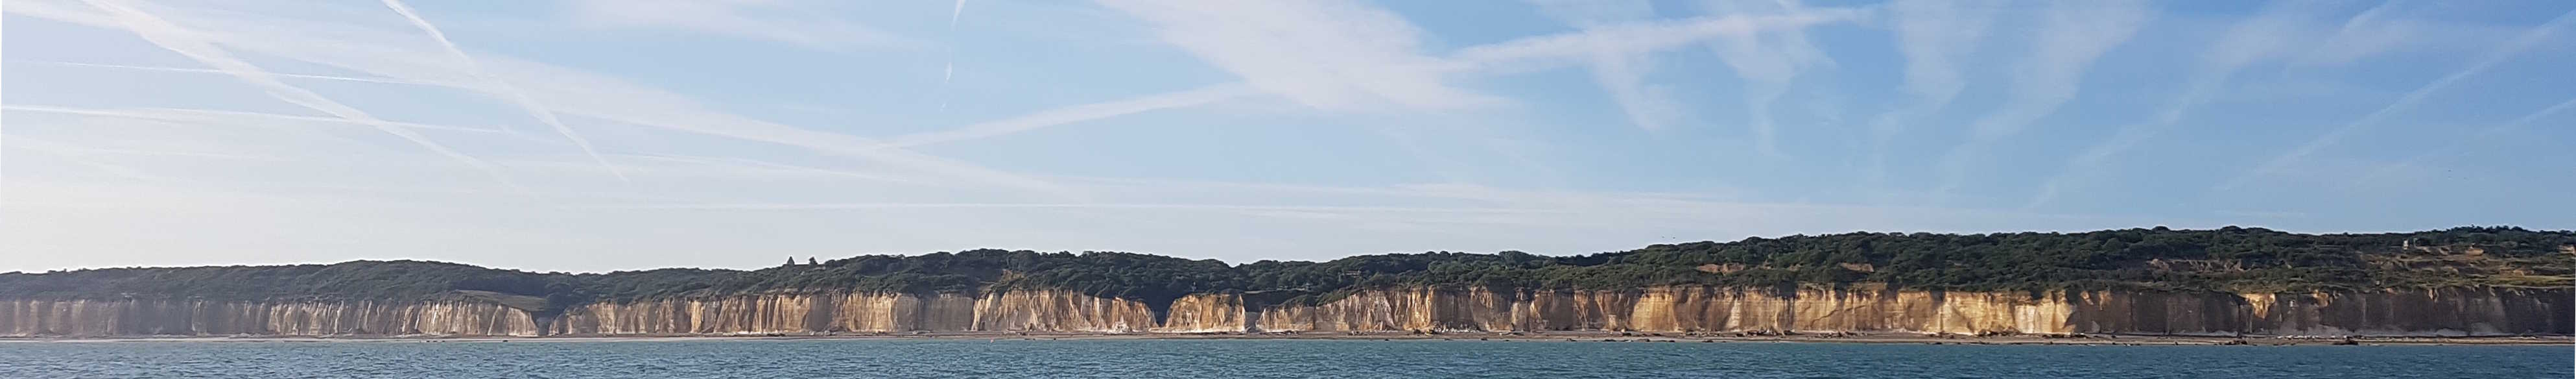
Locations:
{"points": [[2477, 281]]}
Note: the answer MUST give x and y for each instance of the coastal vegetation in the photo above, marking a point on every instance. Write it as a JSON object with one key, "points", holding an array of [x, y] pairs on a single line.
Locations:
{"points": [[2230, 259]]}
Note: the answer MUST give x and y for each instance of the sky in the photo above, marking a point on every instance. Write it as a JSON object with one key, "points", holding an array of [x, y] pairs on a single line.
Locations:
{"points": [[598, 135]]}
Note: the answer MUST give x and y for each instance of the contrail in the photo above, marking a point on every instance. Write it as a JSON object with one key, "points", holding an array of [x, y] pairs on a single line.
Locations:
{"points": [[2517, 45], [175, 114], [951, 70], [952, 15], [2455, 144], [213, 71], [180, 40], [768, 164], [944, 75], [2242, 44], [1079, 113], [504, 88]]}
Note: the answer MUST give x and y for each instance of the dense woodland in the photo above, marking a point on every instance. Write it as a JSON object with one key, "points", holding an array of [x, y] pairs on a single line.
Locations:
{"points": [[2227, 259]]}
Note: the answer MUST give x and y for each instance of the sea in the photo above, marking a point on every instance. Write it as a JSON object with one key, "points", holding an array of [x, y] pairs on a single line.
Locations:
{"points": [[1189, 358]]}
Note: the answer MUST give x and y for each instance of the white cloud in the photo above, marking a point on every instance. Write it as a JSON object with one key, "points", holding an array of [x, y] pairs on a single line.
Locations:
{"points": [[1934, 36], [1618, 39], [1621, 73], [2455, 144], [1648, 105], [767, 185], [1549, 51], [189, 43], [222, 117], [2380, 31], [1592, 14], [2529, 39], [1768, 61], [1335, 55], [2071, 36], [276, 74], [772, 20], [566, 91], [1616, 50], [504, 89], [1073, 114], [2268, 35], [956, 12]]}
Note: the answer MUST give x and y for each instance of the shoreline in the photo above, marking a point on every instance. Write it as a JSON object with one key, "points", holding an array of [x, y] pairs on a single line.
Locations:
{"points": [[1603, 337]]}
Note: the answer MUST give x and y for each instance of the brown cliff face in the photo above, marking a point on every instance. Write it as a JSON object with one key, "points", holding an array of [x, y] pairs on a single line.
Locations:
{"points": [[2447, 312], [1675, 309], [1666, 309]]}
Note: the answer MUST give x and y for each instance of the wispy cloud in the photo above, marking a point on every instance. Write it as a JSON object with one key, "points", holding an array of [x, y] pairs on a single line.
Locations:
{"points": [[2377, 31], [1621, 73], [2529, 39], [948, 70], [1648, 105], [756, 163], [1934, 36], [202, 115], [565, 91], [2070, 38], [1334, 55], [955, 13], [1617, 41], [1343, 56], [778, 21], [1593, 14], [2266, 36], [1073, 114], [713, 162], [1616, 49], [504, 88], [2462, 142], [277, 74], [1767, 61], [183, 41], [1557, 50]]}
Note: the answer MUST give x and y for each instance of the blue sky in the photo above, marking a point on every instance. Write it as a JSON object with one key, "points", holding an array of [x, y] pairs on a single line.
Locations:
{"points": [[600, 135]]}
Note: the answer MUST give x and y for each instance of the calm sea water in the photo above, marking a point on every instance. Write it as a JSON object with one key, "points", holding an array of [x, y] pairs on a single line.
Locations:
{"points": [[1253, 359]]}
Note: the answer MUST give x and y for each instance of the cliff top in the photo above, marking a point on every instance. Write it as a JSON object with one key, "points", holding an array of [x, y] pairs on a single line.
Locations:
{"points": [[2227, 259]]}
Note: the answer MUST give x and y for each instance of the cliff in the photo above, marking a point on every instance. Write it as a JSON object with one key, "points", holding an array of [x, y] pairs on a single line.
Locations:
{"points": [[2458, 281], [2480, 312], [1037, 311], [153, 317], [2453, 312]]}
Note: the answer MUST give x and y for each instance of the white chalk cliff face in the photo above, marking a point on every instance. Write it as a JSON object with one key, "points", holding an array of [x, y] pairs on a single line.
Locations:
{"points": [[2455, 312], [143, 317], [1040, 311], [1699, 309]]}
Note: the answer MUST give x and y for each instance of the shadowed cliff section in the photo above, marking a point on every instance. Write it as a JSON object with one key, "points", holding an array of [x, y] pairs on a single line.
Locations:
{"points": [[2460, 281]]}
